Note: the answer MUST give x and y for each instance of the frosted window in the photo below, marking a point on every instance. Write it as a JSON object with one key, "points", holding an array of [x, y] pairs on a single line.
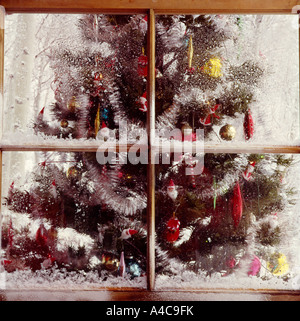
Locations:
{"points": [[235, 76], [234, 225], [70, 76], [68, 221]]}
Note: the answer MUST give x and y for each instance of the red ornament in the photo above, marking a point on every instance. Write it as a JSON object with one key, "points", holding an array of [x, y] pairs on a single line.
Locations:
{"points": [[207, 121], [248, 171], [127, 233], [173, 229], [143, 66], [143, 102], [41, 236], [237, 205], [172, 191], [41, 115], [248, 125]]}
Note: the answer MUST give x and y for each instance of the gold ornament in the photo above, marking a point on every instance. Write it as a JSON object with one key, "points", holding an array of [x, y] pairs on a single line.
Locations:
{"points": [[186, 129], [97, 122], [227, 132], [190, 52], [64, 123], [72, 172], [213, 67], [73, 104], [278, 264], [110, 262]]}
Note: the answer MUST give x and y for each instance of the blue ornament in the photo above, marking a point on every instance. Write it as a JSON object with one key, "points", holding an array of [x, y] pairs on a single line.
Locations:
{"points": [[133, 268], [104, 114]]}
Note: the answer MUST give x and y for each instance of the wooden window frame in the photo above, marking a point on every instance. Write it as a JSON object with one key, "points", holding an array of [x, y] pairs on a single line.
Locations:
{"points": [[151, 8]]}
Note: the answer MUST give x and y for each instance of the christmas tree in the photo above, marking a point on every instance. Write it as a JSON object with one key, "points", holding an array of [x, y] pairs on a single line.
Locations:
{"points": [[221, 220]]}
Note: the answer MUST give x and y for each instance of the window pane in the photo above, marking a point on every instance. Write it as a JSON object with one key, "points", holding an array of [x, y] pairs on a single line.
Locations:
{"points": [[234, 76], [74, 77], [69, 221], [233, 222]]}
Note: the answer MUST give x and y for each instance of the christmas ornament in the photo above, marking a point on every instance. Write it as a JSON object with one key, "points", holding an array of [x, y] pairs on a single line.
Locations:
{"points": [[187, 133], [255, 266], [172, 232], [191, 166], [41, 236], [104, 172], [122, 265], [104, 114], [97, 122], [248, 125], [227, 132], [103, 132], [72, 172], [237, 205], [41, 115], [213, 67], [53, 190], [11, 190], [143, 102], [48, 262], [207, 121], [143, 64], [127, 233], [190, 52], [133, 268], [277, 264], [73, 104], [171, 190], [110, 262], [98, 77], [64, 123], [249, 171]]}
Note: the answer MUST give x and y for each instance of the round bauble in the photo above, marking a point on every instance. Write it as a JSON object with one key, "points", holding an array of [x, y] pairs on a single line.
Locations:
{"points": [[110, 262], [227, 132], [64, 123], [72, 172]]}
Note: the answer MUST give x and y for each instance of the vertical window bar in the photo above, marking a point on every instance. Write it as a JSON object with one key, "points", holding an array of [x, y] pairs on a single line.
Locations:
{"points": [[151, 155], [2, 16]]}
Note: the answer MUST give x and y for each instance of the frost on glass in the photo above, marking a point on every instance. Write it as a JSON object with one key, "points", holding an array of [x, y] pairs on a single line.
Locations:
{"points": [[235, 76], [234, 225], [68, 221], [74, 77]]}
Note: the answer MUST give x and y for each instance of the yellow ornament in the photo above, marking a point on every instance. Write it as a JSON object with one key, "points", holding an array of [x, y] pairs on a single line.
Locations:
{"points": [[190, 52], [227, 132], [73, 104], [97, 122], [72, 172], [278, 264], [110, 262], [64, 123], [213, 67]]}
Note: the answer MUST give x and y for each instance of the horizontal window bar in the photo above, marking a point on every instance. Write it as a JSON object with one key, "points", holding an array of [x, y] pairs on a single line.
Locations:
{"points": [[172, 148], [138, 6]]}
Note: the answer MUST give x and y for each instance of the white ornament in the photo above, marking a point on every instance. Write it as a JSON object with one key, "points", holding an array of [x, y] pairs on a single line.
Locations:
{"points": [[171, 190]]}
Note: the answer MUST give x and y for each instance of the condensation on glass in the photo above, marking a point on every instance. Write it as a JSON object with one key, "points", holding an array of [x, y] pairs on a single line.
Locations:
{"points": [[74, 77], [69, 221], [233, 225], [236, 77]]}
